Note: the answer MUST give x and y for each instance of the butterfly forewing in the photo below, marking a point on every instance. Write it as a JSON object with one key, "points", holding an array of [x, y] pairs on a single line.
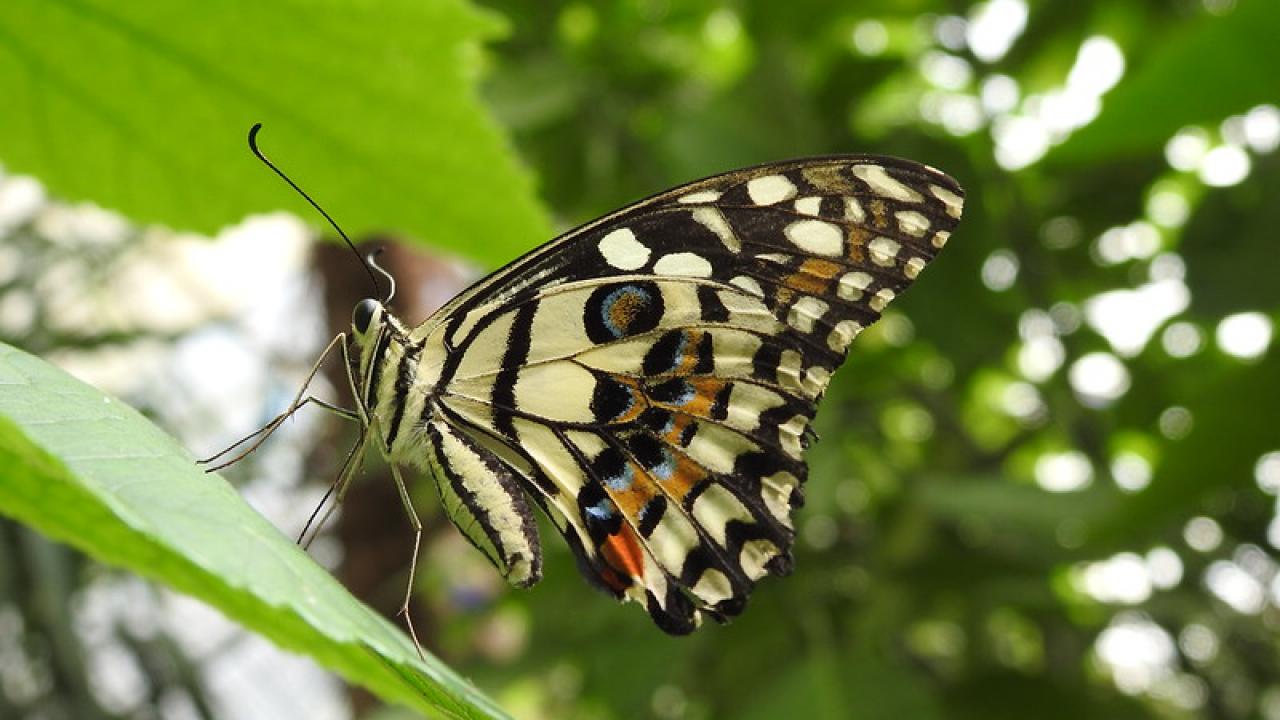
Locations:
{"points": [[650, 377]]}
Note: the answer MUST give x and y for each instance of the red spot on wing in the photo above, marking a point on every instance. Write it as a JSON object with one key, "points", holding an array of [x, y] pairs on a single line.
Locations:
{"points": [[622, 551]]}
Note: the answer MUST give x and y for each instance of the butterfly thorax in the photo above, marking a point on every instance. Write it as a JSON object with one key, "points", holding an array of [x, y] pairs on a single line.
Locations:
{"points": [[398, 377]]}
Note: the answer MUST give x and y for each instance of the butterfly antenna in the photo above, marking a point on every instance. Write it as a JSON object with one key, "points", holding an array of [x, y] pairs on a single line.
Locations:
{"points": [[253, 145], [371, 258]]}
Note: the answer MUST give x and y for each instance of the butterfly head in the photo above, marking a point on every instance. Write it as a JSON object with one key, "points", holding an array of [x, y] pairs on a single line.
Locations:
{"points": [[366, 318]]}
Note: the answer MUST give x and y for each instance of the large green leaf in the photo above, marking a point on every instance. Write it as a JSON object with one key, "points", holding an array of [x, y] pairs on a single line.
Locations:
{"points": [[1212, 69], [85, 469], [143, 108]]}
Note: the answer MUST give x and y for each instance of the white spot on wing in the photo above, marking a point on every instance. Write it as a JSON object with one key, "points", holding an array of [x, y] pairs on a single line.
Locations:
{"points": [[789, 369], [755, 556], [811, 205], [806, 312], [747, 284], [685, 264], [816, 379], [880, 299], [713, 587], [883, 251], [941, 238], [776, 491], [789, 434], [712, 219], [952, 201], [912, 222], [853, 210], [842, 334], [882, 183], [852, 284], [779, 258], [816, 237], [770, 189], [621, 250], [913, 268], [702, 196]]}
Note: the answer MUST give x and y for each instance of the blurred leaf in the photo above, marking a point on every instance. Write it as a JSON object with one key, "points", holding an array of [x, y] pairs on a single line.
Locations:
{"points": [[1020, 519], [1009, 696], [1232, 411], [143, 108], [87, 470], [1234, 270], [1212, 69]]}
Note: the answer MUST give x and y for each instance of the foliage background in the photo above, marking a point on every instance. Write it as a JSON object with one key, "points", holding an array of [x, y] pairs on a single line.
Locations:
{"points": [[1047, 479]]}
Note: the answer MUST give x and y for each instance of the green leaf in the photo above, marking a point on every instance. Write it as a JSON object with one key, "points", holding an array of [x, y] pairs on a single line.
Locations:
{"points": [[1212, 69], [1233, 425], [86, 469], [144, 108]]}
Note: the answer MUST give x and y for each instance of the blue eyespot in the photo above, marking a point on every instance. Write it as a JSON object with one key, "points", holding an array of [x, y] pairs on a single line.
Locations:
{"points": [[622, 479]]}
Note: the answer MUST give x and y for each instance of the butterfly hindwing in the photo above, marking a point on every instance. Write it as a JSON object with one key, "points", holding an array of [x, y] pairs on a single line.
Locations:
{"points": [[654, 373]]}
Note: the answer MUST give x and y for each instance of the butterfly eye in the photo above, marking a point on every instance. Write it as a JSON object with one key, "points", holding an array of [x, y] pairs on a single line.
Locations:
{"points": [[363, 315]]}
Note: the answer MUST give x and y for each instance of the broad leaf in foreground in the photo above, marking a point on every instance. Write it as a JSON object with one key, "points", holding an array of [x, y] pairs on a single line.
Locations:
{"points": [[143, 108], [85, 469]]}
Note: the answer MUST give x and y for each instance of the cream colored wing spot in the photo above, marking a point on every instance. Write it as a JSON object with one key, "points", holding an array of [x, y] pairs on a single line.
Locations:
{"points": [[883, 251], [816, 237], [789, 434], [816, 379], [776, 491], [842, 334], [713, 586], [853, 210], [953, 202], [748, 284], [779, 258], [882, 298], [789, 370], [912, 223], [806, 312], [684, 264], [940, 238], [882, 183], [852, 285], [755, 557], [712, 219], [913, 268], [702, 196], [622, 250], [811, 205], [770, 189]]}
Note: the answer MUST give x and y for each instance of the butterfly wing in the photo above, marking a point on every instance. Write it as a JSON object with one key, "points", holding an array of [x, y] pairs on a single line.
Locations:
{"points": [[651, 376]]}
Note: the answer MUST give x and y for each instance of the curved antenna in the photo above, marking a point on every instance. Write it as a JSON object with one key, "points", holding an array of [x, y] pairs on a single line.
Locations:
{"points": [[253, 145], [371, 258]]}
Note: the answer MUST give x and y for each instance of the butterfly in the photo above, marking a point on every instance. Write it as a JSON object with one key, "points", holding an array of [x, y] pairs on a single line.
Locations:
{"points": [[648, 379]]}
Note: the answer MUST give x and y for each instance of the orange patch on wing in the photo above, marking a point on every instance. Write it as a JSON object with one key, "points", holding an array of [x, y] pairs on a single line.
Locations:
{"points": [[639, 401], [631, 500], [679, 422], [624, 310], [813, 276], [687, 474], [622, 551], [689, 355], [705, 390], [858, 239], [879, 214]]}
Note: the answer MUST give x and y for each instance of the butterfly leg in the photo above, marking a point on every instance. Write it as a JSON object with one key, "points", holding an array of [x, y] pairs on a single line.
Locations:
{"points": [[337, 491], [413, 563], [299, 400]]}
